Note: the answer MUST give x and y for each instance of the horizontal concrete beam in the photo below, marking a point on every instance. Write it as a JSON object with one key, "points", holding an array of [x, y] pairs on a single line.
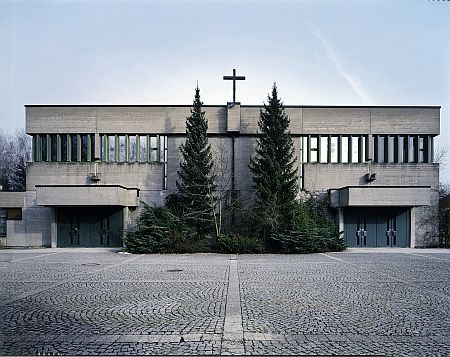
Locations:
{"points": [[86, 196], [223, 119], [12, 199], [407, 196]]}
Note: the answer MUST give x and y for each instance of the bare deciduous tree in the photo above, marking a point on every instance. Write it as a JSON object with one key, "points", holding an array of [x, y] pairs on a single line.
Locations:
{"points": [[15, 152]]}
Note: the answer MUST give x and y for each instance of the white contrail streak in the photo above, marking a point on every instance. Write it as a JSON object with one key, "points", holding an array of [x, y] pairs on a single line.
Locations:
{"points": [[351, 79]]}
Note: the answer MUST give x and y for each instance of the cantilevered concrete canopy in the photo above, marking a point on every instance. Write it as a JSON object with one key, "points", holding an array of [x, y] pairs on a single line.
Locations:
{"points": [[387, 196], [89, 195]]}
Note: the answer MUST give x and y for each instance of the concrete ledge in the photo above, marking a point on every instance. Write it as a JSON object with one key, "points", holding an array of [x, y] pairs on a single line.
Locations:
{"points": [[12, 199], [86, 196], [406, 196]]}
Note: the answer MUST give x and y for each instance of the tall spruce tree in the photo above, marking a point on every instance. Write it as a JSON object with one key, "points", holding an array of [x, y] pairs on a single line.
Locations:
{"points": [[274, 175], [195, 174]]}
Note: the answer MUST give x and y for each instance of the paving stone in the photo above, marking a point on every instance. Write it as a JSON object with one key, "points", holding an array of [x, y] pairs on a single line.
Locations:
{"points": [[98, 302]]}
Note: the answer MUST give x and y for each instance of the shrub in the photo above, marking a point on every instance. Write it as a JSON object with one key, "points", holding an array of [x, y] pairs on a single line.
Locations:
{"points": [[313, 230], [236, 243], [158, 231]]}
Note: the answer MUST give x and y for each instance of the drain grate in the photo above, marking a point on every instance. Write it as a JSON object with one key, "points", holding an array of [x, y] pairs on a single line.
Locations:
{"points": [[174, 270], [90, 264]]}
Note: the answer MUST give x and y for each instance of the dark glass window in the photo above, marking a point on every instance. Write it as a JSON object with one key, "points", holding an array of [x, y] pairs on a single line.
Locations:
{"points": [[63, 148], [14, 214], [43, 147], [74, 147], [314, 148], [84, 148], [54, 148], [3, 215]]}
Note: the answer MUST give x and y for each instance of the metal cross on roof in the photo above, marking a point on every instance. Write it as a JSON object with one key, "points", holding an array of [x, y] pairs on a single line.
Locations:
{"points": [[234, 78]]}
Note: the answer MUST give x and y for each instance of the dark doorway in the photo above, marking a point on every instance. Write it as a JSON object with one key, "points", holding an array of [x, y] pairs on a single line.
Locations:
{"points": [[377, 227], [90, 227]]}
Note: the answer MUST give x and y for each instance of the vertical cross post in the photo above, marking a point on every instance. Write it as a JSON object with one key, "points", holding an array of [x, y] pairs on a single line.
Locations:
{"points": [[234, 78]]}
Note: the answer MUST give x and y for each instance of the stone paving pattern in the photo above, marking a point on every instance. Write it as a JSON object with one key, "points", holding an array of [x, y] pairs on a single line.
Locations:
{"points": [[99, 302]]}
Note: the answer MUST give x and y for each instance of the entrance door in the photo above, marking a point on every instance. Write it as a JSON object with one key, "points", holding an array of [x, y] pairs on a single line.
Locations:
{"points": [[74, 230], [361, 231], [377, 227], [90, 227], [391, 229]]}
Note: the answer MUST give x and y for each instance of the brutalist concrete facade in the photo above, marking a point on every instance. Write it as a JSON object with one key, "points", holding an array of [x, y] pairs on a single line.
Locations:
{"points": [[114, 158]]}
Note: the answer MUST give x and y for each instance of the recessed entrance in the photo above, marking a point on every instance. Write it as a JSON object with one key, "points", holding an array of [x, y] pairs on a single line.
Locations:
{"points": [[89, 227], [377, 227]]}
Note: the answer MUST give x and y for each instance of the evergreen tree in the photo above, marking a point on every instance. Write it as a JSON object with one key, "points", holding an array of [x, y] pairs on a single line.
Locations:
{"points": [[196, 182], [274, 175]]}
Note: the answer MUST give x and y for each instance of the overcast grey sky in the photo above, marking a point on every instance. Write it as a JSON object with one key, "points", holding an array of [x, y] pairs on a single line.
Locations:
{"points": [[347, 52]]}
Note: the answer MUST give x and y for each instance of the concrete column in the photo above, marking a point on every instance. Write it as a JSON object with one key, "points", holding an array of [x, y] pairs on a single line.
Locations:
{"points": [[369, 147], [54, 229], [233, 117], [126, 221], [413, 227], [97, 147], [341, 220]]}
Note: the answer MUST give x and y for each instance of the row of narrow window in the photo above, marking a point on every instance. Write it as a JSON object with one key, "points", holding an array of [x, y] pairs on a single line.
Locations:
{"points": [[355, 148], [313, 148], [113, 148]]}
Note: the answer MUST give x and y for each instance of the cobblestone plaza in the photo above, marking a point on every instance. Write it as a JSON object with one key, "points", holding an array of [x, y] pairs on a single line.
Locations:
{"points": [[99, 302]]}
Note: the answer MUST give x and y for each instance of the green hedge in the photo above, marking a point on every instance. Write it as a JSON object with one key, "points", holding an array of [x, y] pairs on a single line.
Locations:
{"points": [[239, 244]]}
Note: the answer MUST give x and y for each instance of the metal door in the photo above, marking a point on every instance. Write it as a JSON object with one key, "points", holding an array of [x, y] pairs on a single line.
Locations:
{"points": [[104, 232], [391, 229], [74, 230], [361, 232]]}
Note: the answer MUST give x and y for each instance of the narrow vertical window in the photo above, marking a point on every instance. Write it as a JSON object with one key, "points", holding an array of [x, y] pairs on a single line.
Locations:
{"points": [[323, 149], [314, 149], [104, 148], [64, 148], [143, 148], [391, 149], [84, 148], [3, 218], [411, 149], [355, 148], [53, 148], [122, 148], [162, 148], [73, 148], [401, 148], [344, 149], [92, 158], [43, 147], [334, 149], [133, 148], [421, 149], [153, 149], [430, 149], [305, 148], [111, 148], [380, 153], [165, 161]]}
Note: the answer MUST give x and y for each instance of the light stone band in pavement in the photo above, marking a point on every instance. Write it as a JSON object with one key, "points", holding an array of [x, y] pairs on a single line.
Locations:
{"points": [[98, 302]]}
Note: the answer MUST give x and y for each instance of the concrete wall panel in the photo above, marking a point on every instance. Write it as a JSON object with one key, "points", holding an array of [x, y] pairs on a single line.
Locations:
{"points": [[405, 120], [147, 176], [336, 121]]}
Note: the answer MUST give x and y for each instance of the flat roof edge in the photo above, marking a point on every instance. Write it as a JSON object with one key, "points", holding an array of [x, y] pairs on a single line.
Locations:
{"points": [[224, 106]]}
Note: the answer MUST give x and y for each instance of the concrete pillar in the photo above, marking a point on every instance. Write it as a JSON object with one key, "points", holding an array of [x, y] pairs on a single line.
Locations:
{"points": [[341, 220], [369, 147], [413, 227], [126, 221], [54, 229], [234, 117]]}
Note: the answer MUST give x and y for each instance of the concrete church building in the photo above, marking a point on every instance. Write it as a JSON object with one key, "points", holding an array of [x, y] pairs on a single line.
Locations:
{"points": [[93, 165]]}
